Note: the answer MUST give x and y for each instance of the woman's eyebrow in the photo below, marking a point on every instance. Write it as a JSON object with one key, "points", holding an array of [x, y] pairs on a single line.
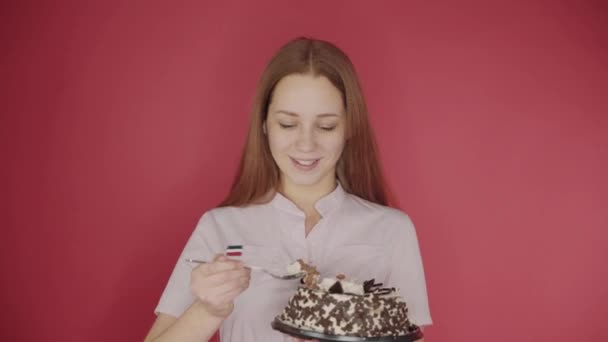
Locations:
{"points": [[280, 111]]}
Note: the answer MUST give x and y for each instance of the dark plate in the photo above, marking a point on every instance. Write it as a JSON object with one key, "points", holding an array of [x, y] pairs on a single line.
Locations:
{"points": [[308, 334]]}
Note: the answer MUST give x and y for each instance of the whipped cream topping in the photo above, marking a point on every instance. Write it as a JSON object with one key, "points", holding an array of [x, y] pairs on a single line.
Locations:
{"points": [[347, 286], [294, 268]]}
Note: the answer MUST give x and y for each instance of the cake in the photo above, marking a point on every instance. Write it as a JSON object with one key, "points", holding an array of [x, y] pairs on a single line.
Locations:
{"points": [[337, 306]]}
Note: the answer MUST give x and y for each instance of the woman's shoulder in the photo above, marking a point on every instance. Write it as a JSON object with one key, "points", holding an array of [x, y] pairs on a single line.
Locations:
{"points": [[230, 221], [358, 206], [239, 212]]}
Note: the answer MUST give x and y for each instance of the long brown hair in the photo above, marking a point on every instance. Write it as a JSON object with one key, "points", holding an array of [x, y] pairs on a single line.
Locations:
{"points": [[358, 169]]}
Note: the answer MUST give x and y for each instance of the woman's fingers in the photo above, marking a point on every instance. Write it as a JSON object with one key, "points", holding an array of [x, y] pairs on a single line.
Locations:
{"points": [[221, 270], [220, 265], [230, 296], [237, 283], [219, 282], [224, 293], [221, 277]]}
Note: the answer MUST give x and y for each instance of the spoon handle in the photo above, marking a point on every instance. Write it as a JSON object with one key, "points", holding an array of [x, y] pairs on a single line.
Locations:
{"points": [[197, 261]]}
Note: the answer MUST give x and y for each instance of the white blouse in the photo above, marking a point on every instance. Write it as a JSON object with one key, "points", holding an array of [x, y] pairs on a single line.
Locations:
{"points": [[360, 239]]}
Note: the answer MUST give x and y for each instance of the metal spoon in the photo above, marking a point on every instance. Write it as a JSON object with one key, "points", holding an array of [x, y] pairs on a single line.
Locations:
{"points": [[258, 268]]}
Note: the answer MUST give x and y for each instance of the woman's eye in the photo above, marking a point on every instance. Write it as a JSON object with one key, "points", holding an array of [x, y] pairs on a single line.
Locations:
{"points": [[328, 128], [286, 125]]}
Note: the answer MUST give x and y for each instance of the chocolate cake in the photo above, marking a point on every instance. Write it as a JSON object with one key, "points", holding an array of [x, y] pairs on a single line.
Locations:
{"points": [[341, 307]]}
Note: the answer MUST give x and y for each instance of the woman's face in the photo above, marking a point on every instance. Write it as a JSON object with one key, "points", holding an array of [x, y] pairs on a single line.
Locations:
{"points": [[305, 127]]}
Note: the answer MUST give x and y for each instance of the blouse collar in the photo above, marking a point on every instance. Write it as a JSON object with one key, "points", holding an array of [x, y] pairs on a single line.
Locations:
{"points": [[324, 205]]}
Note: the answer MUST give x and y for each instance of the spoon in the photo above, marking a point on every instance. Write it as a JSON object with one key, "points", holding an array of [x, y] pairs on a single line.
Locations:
{"points": [[258, 268]]}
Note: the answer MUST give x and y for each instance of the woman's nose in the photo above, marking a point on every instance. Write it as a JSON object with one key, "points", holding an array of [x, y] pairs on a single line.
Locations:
{"points": [[306, 140]]}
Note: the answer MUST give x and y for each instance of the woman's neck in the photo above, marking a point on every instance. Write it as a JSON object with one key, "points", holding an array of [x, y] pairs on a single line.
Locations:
{"points": [[305, 196]]}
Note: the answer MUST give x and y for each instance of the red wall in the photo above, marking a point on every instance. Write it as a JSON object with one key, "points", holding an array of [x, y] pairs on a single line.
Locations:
{"points": [[122, 122]]}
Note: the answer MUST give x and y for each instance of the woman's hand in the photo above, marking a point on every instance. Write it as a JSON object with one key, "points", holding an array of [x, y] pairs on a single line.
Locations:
{"points": [[218, 283]]}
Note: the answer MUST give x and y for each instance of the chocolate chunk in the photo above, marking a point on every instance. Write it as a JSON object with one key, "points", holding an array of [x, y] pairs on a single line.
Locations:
{"points": [[370, 286], [383, 291], [336, 288], [367, 285]]}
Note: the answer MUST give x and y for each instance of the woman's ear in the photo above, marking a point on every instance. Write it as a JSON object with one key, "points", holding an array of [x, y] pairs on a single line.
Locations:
{"points": [[264, 127]]}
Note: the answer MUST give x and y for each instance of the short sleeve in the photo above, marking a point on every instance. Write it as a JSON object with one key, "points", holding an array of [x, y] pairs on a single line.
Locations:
{"points": [[176, 297], [406, 271]]}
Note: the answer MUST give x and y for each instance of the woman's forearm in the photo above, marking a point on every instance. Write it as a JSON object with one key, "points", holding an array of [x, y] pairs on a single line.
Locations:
{"points": [[194, 325]]}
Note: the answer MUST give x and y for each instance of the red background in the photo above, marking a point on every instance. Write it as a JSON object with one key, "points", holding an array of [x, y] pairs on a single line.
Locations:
{"points": [[122, 122]]}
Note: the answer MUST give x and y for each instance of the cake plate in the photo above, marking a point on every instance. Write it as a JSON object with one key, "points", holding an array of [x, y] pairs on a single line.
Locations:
{"points": [[309, 335]]}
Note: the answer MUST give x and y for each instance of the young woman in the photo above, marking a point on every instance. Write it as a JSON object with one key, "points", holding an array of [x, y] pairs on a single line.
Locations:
{"points": [[308, 186]]}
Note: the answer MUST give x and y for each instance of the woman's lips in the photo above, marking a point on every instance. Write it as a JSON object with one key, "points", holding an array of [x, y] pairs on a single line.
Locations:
{"points": [[305, 164]]}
